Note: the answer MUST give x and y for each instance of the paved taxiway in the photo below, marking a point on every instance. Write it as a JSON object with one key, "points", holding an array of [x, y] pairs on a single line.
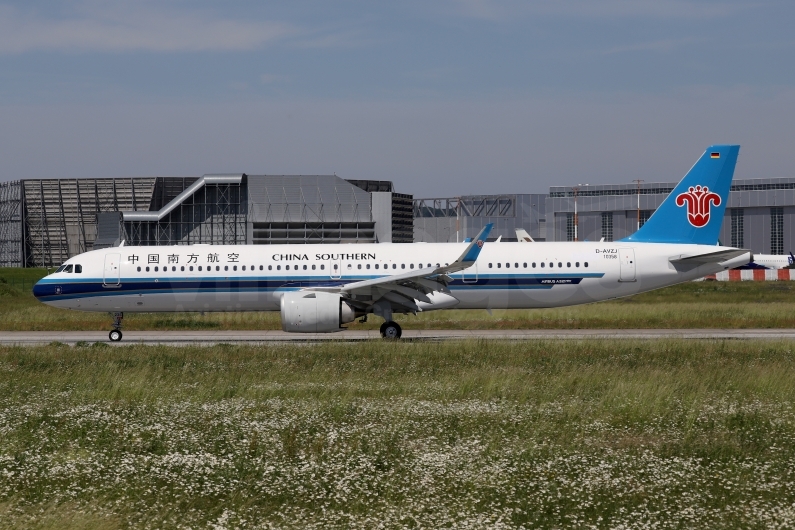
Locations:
{"points": [[184, 338]]}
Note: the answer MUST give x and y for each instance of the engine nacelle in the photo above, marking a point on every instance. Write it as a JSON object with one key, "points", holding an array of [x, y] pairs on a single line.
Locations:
{"points": [[315, 312]]}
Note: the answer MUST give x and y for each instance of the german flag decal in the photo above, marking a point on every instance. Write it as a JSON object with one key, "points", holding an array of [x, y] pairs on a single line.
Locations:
{"points": [[714, 155]]}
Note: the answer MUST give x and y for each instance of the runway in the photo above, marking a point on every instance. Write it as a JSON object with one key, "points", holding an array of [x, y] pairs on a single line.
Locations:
{"points": [[207, 338]]}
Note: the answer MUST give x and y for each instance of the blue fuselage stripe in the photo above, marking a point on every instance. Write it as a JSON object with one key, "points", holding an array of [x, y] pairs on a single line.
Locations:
{"points": [[60, 289]]}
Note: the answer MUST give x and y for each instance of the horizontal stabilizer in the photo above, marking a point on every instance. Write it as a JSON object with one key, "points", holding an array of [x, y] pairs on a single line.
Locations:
{"points": [[712, 257]]}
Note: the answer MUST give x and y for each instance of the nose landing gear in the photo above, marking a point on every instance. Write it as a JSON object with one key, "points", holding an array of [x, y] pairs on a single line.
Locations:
{"points": [[115, 333]]}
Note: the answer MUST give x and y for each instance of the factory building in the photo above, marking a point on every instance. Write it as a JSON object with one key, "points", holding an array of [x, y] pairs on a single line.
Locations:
{"points": [[759, 216], [43, 222]]}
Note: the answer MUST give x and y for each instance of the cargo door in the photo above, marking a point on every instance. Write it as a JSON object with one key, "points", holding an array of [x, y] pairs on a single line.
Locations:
{"points": [[112, 269], [627, 257]]}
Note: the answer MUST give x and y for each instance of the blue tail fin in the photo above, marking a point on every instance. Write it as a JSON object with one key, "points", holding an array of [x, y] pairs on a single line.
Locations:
{"points": [[693, 212]]}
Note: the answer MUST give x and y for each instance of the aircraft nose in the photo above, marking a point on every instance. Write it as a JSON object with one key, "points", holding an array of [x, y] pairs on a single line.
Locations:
{"points": [[42, 289]]}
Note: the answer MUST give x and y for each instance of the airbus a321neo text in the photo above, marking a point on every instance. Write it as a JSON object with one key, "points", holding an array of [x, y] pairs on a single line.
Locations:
{"points": [[320, 288]]}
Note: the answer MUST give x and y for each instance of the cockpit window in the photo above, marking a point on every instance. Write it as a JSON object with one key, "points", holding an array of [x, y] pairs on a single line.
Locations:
{"points": [[78, 269], [61, 268], [68, 268]]}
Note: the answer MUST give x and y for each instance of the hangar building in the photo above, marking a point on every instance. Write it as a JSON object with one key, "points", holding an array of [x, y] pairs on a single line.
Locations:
{"points": [[43, 222], [760, 214]]}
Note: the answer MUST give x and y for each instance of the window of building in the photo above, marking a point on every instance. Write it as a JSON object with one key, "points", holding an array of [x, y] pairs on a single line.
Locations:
{"points": [[777, 231], [607, 226], [644, 216], [738, 228], [569, 227]]}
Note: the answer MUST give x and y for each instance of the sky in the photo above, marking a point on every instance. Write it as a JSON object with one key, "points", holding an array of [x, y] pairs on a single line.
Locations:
{"points": [[444, 98]]}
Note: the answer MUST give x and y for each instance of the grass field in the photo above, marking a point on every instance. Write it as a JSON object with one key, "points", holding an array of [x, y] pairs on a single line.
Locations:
{"points": [[690, 305], [596, 434]]}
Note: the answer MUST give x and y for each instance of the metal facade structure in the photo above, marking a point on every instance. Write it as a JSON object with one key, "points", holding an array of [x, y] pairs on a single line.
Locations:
{"points": [[760, 214], [209, 210], [45, 221], [11, 224], [301, 209], [456, 218]]}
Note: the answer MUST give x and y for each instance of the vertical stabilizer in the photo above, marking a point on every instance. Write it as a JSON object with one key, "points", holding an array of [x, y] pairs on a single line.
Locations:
{"points": [[693, 212]]}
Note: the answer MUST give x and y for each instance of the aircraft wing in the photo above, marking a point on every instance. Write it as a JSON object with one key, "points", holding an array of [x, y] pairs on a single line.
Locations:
{"points": [[401, 290], [711, 257]]}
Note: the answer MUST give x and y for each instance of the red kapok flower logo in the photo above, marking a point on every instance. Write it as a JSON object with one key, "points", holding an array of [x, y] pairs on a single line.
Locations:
{"points": [[698, 201]]}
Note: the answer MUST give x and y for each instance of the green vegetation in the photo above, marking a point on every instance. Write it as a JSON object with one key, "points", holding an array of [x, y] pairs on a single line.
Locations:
{"points": [[604, 434], [690, 305]]}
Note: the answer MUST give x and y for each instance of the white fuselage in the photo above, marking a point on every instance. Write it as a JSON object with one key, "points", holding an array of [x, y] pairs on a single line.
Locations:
{"points": [[253, 278]]}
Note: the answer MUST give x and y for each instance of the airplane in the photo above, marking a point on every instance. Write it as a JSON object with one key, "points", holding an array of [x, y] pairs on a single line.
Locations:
{"points": [[769, 261], [320, 288], [522, 236]]}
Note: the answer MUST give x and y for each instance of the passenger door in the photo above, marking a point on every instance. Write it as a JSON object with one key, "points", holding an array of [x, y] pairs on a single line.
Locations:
{"points": [[627, 260], [112, 270]]}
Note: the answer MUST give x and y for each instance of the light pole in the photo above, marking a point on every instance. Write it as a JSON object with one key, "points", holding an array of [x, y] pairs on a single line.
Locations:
{"points": [[576, 190], [638, 181]]}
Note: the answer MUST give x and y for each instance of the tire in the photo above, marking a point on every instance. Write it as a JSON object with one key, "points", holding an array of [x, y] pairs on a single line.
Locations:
{"points": [[391, 330], [115, 335]]}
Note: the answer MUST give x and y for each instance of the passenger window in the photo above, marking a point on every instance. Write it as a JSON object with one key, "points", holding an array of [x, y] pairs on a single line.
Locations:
{"points": [[217, 267], [577, 264], [234, 267], [359, 266], [155, 268], [78, 269], [139, 269], [507, 265], [243, 268], [376, 265], [586, 264], [411, 265], [499, 265], [350, 267], [542, 264], [200, 268], [568, 264], [560, 264], [226, 267], [516, 265], [287, 267], [305, 267], [278, 267], [260, 267], [402, 265], [313, 267], [394, 265], [368, 265], [322, 267], [174, 269], [191, 268], [489, 265], [68, 268], [270, 267], [551, 264], [147, 269], [524, 265]]}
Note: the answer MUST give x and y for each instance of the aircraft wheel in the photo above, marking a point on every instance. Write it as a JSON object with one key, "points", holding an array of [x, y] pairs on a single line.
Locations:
{"points": [[391, 330], [115, 335]]}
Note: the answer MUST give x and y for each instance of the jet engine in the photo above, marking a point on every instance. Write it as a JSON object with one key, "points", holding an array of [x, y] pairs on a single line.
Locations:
{"points": [[315, 312]]}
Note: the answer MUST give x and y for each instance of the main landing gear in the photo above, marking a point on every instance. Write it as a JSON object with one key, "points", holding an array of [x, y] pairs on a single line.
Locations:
{"points": [[115, 333], [391, 330]]}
